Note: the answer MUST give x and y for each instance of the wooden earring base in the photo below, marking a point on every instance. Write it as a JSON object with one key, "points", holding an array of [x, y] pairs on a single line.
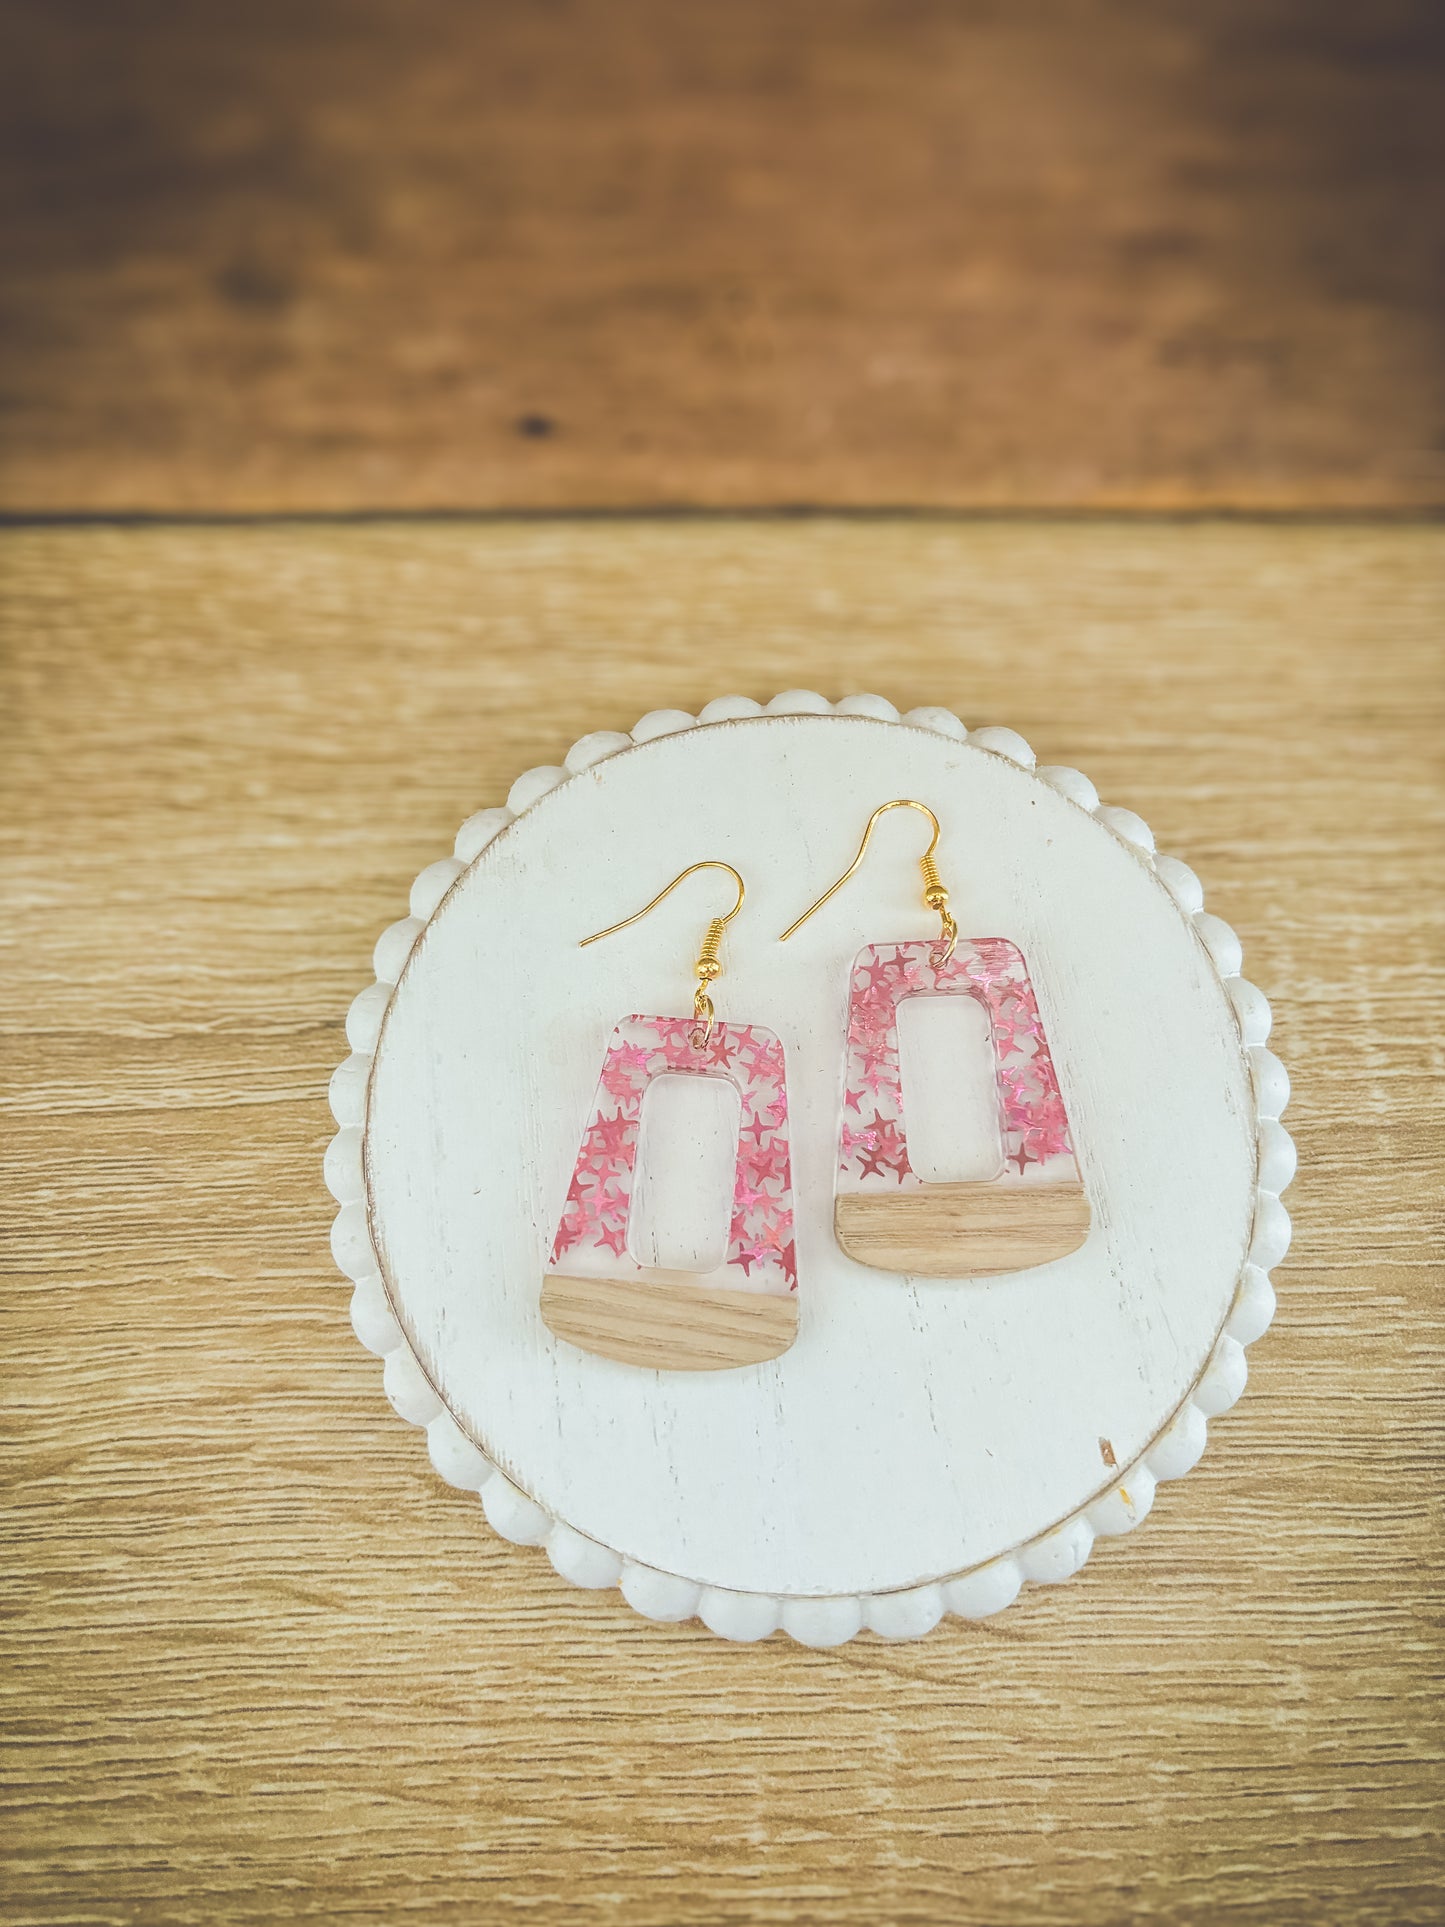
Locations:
{"points": [[670, 1325], [962, 1230]]}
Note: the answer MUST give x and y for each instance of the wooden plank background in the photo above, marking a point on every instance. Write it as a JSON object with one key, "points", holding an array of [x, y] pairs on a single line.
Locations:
{"points": [[261, 1666], [356, 253]]}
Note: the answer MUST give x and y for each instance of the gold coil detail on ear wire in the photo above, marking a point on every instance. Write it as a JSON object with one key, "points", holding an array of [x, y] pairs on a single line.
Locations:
{"points": [[707, 970], [709, 964], [936, 897]]}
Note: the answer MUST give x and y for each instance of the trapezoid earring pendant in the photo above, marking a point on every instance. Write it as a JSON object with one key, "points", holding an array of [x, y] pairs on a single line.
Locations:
{"points": [[595, 1292], [1033, 1208]]}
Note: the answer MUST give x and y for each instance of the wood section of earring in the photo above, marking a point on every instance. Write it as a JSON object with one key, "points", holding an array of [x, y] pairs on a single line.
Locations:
{"points": [[963, 1230], [668, 1322]]}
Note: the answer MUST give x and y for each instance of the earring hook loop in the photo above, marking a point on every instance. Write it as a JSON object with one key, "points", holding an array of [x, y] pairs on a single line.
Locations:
{"points": [[708, 967], [934, 894], [709, 863]]}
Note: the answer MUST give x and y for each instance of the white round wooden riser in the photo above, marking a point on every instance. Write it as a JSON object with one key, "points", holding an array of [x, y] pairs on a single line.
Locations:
{"points": [[417, 1317]]}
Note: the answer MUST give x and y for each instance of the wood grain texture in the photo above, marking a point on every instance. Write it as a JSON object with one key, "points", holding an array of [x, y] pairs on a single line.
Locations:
{"points": [[947, 1230], [668, 1323], [261, 1666], [354, 254]]}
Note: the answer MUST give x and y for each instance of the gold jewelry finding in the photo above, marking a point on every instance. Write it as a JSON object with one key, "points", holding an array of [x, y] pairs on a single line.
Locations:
{"points": [[934, 893], [708, 967]]}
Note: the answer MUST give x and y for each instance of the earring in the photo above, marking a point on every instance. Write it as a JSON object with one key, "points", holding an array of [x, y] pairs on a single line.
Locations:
{"points": [[595, 1293], [1033, 1208]]}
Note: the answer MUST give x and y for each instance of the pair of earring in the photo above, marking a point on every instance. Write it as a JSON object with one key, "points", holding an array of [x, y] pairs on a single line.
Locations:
{"points": [[1029, 1211]]}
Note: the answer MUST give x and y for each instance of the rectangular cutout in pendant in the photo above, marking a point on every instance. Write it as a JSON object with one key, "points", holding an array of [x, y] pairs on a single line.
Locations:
{"points": [[682, 1188], [950, 1089]]}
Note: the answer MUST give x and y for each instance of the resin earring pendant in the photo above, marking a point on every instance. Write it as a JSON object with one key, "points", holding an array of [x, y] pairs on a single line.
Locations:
{"points": [[596, 1294], [1033, 1207]]}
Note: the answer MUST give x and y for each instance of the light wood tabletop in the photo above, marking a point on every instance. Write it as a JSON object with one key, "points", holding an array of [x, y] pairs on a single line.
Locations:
{"points": [[260, 1664]]}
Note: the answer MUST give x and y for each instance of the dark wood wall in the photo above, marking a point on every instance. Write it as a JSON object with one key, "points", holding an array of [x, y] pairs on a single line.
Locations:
{"points": [[334, 254]]}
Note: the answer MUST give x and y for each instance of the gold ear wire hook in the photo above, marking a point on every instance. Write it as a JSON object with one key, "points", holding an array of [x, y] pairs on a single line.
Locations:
{"points": [[934, 894], [708, 967]]}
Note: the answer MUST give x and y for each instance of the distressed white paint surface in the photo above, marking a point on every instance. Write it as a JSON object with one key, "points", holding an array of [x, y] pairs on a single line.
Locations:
{"points": [[682, 1192], [914, 1431], [949, 1081]]}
